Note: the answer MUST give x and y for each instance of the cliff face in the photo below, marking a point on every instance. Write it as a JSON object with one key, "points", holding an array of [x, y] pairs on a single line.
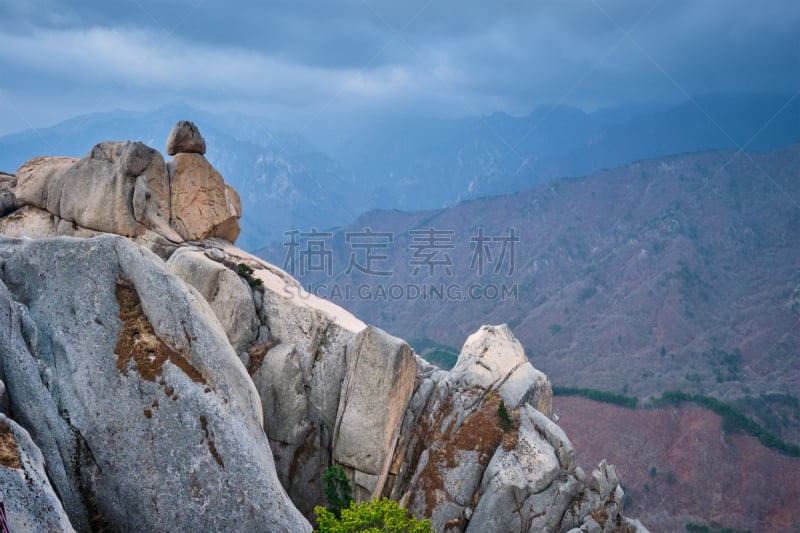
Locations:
{"points": [[199, 387]]}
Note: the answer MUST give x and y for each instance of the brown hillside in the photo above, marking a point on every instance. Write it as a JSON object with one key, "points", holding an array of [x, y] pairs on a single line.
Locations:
{"points": [[701, 475]]}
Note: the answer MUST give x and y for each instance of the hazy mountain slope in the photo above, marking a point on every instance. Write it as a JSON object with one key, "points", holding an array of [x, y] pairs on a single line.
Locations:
{"points": [[679, 273], [425, 164]]}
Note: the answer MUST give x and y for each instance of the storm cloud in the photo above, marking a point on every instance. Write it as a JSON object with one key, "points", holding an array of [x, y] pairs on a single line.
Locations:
{"points": [[307, 61]]}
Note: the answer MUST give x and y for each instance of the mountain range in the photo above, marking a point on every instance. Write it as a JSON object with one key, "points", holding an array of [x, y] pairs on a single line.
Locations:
{"points": [[678, 273], [323, 179]]}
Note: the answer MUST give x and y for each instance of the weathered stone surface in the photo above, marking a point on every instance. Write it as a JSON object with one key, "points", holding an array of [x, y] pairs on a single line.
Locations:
{"points": [[34, 406], [33, 178], [279, 381], [29, 221], [4, 405], [118, 187], [33, 222], [179, 444], [488, 357], [215, 254], [554, 435], [31, 504], [527, 385], [8, 199], [227, 293], [185, 138], [528, 468], [202, 204], [599, 506], [381, 372]]}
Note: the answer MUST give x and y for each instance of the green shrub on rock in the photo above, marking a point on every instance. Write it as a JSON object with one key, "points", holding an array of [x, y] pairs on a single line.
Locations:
{"points": [[376, 516]]}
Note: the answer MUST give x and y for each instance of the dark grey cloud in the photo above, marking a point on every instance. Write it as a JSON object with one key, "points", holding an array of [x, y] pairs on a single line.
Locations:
{"points": [[311, 60]]}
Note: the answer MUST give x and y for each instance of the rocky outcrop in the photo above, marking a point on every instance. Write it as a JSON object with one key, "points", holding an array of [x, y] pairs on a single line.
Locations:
{"points": [[146, 417], [118, 187], [31, 504], [207, 389], [458, 466], [126, 188], [381, 371], [492, 358], [8, 198]]}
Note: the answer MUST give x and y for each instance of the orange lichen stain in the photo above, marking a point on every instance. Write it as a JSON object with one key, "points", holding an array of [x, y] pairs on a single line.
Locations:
{"points": [[138, 344], [257, 354], [9, 453], [480, 432]]}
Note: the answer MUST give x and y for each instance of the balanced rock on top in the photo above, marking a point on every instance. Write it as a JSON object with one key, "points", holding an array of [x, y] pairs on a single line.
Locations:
{"points": [[185, 138], [202, 204]]}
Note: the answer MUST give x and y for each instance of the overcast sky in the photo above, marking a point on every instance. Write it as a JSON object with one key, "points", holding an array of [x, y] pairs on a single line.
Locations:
{"points": [[307, 61]]}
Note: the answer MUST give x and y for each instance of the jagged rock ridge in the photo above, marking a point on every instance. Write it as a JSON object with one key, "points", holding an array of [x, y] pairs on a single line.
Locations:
{"points": [[201, 387]]}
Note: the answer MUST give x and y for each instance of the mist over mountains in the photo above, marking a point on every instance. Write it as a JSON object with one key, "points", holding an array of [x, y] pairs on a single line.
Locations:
{"points": [[292, 181]]}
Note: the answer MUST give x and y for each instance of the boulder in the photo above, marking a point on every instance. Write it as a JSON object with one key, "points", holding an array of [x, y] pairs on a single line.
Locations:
{"points": [[118, 187], [381, 372], [226, 292], [527, 385], [8, 198], [35, 175], [179, 444], [31, 504], [488, 356], [202, 204], [185, 138]]}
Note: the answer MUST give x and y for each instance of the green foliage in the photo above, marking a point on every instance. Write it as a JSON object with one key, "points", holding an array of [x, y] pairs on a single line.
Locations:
{"points": [[715, 528], [726, 365], [653, 472], [555, 328], [733, 421], [506, 424], [586, 293], [443, 359], [338, 490], [598, 396], [438, 354], [376, 516], [246, 272]]}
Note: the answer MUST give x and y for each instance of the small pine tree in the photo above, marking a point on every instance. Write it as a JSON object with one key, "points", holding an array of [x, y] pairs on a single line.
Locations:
{"points": [[338, 490], [506, 424]]}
